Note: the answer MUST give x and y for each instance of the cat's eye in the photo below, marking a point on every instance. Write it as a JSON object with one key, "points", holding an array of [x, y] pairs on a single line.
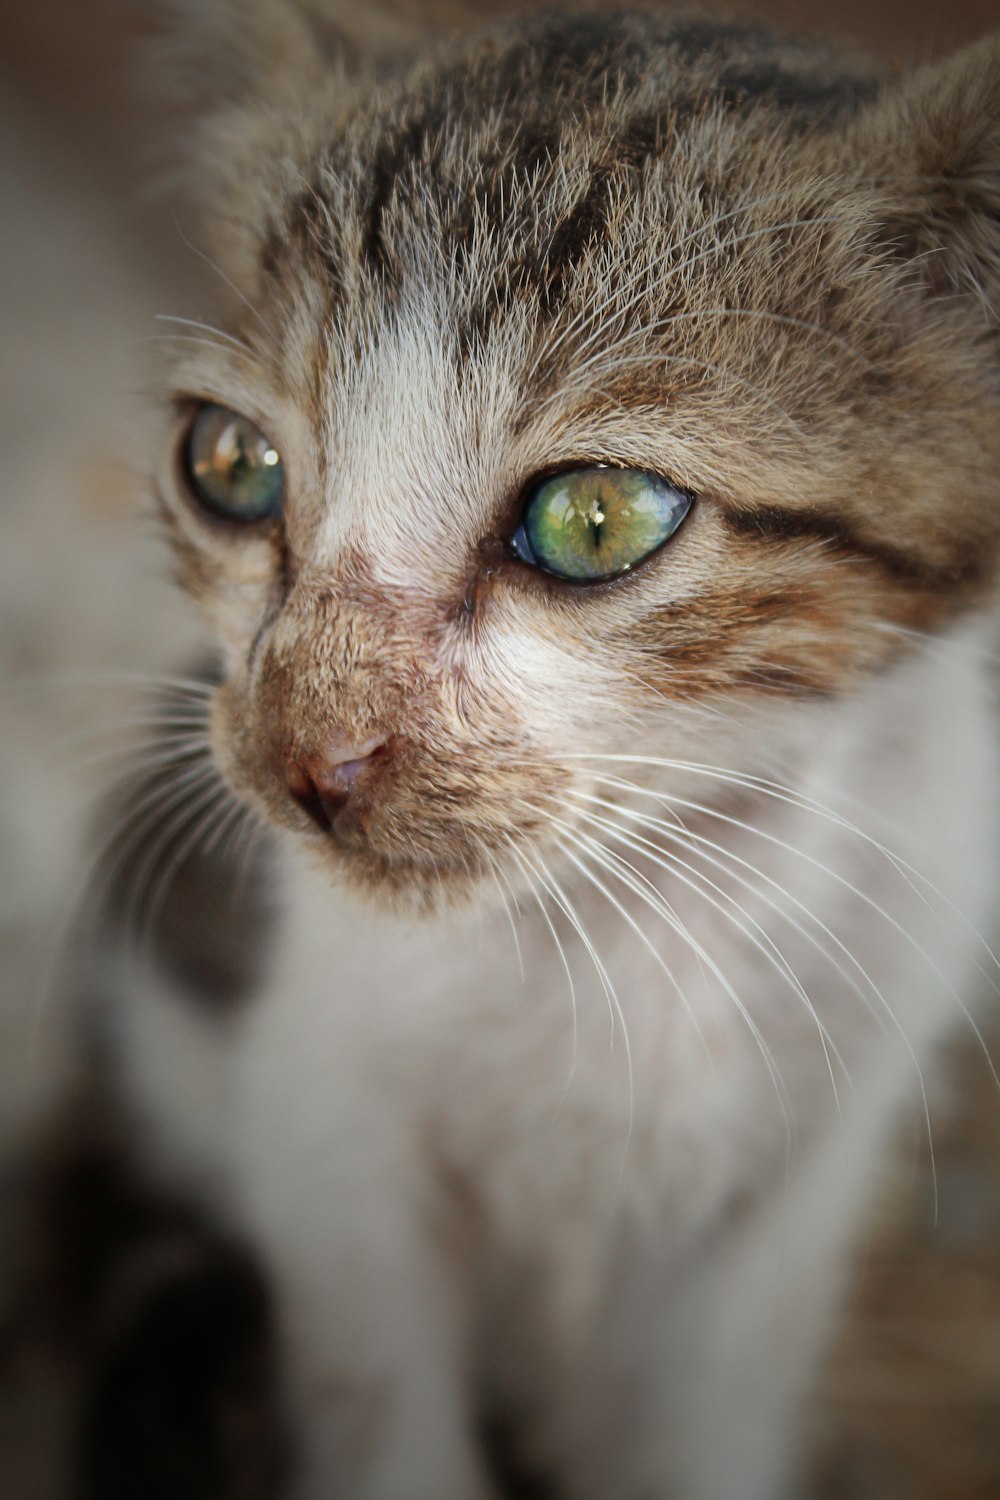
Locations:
{"points": [[232, 468], [590, 524]]}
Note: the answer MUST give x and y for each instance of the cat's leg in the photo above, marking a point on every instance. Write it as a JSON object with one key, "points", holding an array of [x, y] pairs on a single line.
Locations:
{"points": [[268, 1108], [321, 1174], [378, 1405], [370, 1293], [737, 1342]]}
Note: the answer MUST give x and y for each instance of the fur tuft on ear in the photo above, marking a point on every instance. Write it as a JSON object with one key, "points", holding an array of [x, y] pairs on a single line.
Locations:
{"points": [[248, 80], [936, 138], [256, 83], [223, 50], [217, 52]]}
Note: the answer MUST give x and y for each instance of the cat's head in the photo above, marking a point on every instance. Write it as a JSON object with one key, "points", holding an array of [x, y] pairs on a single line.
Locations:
{"points": [[593, 387]]}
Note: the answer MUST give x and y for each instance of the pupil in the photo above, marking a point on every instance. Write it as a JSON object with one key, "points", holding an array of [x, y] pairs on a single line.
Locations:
{"points": [[241, 460], [596, 521]]}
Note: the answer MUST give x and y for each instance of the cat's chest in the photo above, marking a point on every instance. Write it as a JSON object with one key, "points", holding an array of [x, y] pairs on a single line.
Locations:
{"points": [[541, 1065], [580, 1050]]}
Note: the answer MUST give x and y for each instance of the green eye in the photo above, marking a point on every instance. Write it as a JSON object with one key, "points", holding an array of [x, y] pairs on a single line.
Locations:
{"points": [[231, 467], [590, 524]]}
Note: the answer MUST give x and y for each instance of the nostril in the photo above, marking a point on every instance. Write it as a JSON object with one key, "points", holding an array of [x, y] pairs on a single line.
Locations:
{"points": [[307, 794], [322, 784]]}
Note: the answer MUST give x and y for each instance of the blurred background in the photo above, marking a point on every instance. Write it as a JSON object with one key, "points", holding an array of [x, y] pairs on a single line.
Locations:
{"points": [[93, 247]]}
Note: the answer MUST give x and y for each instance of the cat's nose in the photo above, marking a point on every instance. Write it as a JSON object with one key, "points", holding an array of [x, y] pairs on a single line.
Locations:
{"points": [[322, 783]]}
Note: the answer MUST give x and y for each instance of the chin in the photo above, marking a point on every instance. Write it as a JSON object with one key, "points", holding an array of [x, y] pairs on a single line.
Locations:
{"points": [[403, 880]]}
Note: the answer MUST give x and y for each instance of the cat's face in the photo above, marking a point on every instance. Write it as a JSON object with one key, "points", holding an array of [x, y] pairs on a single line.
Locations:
{"points": [[632, 258]]}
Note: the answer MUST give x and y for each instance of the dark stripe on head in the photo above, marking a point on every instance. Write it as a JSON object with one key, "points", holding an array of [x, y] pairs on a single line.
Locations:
{"points": [[645, 137], [578, 232], [393, 167], [308, 225], [771, 82], [574, 55], [692, 41], [533, 146], [966, 569]]}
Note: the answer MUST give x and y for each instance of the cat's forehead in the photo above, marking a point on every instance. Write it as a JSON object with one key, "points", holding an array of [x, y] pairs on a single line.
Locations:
{"points": [[585, 241], [449, 254], [519, 94], [497, 167]]}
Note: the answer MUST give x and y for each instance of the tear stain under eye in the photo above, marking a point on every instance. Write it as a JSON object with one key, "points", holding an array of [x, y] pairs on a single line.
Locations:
{"points": [[470, 603], [480, 583], [280, 590], [283, 560], [268, 619]]}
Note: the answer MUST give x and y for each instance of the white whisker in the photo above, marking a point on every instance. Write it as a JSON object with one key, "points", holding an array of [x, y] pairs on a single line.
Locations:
{"points": [[845, 884], [764, 943], [559, 949], [241, 296], [612, 864], [497, 871], [216, 333], [565, 905]]}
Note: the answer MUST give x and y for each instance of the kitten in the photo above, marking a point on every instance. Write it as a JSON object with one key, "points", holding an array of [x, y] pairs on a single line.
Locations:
{"points": [[593, 494]]}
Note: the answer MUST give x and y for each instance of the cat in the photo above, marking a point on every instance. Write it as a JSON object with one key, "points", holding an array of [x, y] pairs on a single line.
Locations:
{"points": [[592, 491]]}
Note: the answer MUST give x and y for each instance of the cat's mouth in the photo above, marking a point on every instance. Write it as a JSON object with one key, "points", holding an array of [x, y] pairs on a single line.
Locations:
{"points": [[401, 822], [418, 846]]}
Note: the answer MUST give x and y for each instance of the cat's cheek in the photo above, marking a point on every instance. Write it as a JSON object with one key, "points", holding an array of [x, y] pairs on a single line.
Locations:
{"points": [[235, 750], [537, 673]]}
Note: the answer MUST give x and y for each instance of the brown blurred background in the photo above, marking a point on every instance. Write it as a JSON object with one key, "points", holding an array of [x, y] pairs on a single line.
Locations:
{"points": [[911, 1400]]}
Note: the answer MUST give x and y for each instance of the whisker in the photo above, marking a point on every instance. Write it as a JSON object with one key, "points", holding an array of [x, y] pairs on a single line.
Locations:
{"points": [[192, 339], [216, 333], [657, 901], [207, 825], [596, 315], [869, 901], [162, 690], [784, 795], [609, 862], [201, 806], [525, 870], [159, 802], [497, 871], [573, 387], [565, 905], [765, 944], [78, 923], [801, 800], [207, 259], [689, 839]]}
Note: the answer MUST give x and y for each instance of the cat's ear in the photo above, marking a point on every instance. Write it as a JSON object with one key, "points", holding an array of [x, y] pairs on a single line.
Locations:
{"points": [[933, 146], [214, 53], [246, 82], [221, 51]]}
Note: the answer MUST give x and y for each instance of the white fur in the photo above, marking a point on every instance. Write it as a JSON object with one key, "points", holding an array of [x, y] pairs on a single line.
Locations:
{"points": [[456, 1186]]}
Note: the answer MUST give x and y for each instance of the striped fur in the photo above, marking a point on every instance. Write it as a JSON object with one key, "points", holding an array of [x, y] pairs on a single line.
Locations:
{"points": [[623, 239]]}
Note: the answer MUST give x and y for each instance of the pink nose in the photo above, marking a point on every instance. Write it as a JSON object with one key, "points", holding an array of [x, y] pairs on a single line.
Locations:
{"points": [[322, 783]]}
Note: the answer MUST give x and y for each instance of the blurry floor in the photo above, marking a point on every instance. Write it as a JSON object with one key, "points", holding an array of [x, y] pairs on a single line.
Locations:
{"points": [[911, 1401]]}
